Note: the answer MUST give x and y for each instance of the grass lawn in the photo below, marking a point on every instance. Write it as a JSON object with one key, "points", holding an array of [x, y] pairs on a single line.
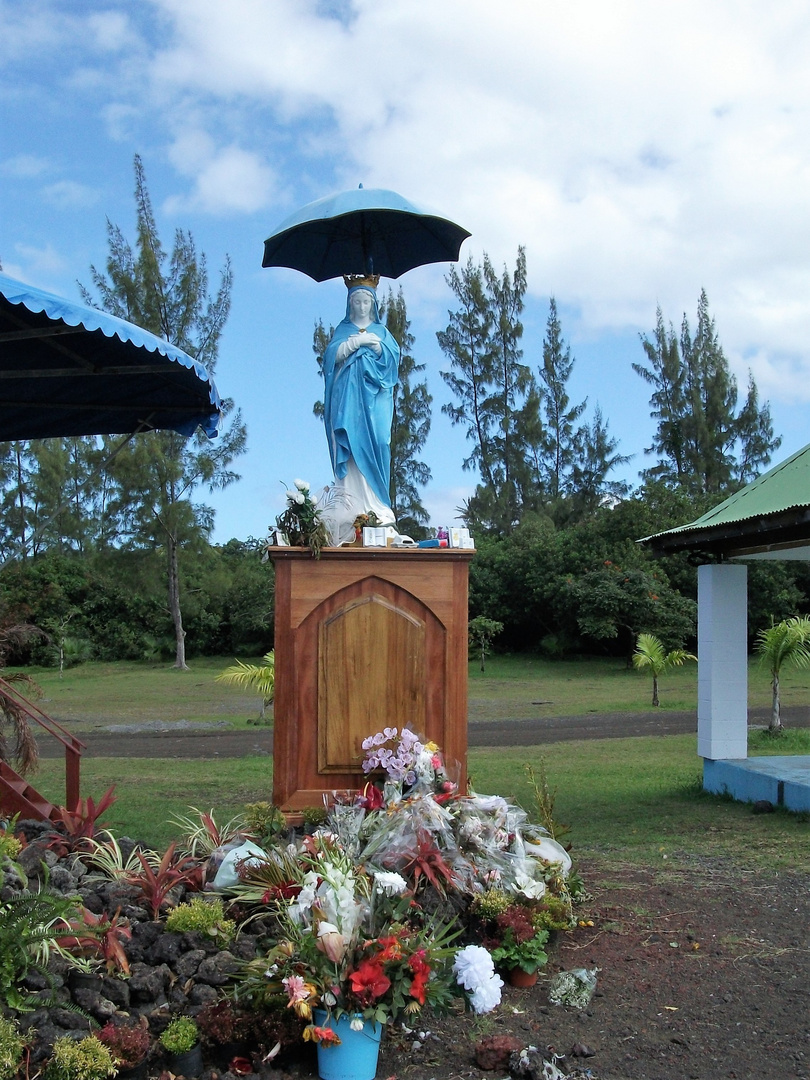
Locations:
{"points": [[635, 799], [96, 695]]}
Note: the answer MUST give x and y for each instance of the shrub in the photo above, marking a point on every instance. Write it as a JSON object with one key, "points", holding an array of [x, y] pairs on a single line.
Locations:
{"points": [[128, 1043], [203, 917], [87, 1059], [181, 1035], [12, 1046]]}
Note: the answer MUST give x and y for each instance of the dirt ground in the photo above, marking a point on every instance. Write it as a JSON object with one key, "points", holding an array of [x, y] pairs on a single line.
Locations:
{"points": [[704, 972]]}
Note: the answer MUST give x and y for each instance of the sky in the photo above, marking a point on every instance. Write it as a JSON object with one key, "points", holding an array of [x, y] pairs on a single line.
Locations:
{"points": [[640, 151]]}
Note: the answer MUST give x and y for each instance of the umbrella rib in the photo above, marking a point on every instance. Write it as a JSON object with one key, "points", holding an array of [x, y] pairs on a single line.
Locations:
{"points": [[78, 406], [42, 332], [53, 344], [69, 373]]}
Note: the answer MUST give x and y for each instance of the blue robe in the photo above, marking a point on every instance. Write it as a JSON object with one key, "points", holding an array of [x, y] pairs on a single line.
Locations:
{"points": [[359, 402]]}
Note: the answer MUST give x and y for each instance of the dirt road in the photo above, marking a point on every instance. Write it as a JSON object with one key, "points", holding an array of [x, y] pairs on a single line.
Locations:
{"points": [[199, 742]]}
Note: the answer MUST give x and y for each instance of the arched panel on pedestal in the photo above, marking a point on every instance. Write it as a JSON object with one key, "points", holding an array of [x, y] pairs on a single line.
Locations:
{"points": [[376, 643], [365, 640]]}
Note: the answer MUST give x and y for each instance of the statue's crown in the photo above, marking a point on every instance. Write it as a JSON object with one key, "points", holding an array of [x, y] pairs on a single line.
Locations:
{"points": [[353, 281]]}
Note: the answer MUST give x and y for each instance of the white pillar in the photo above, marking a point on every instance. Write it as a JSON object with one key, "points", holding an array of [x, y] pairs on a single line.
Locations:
{"points": [[722, 661]]}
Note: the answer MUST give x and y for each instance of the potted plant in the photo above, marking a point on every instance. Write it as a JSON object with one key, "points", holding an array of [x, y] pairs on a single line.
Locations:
{"points": [[351, 955], [181, 1041], [12, 1048], [129, 1045], [520, 948], [87, 1059], [94, 945]]}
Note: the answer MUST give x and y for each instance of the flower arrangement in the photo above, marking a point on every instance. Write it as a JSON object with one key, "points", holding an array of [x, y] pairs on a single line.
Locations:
{"points": [[350, 941], [410, 766], [362, 907], [301, 522]]}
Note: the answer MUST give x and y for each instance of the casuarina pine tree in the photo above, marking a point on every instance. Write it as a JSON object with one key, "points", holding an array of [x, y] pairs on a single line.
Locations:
{"points": [[157, 474]]}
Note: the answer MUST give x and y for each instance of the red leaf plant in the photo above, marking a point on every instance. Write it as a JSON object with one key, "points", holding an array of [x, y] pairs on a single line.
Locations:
{"points": [[155, 883], [96, 936], [82, 822]]}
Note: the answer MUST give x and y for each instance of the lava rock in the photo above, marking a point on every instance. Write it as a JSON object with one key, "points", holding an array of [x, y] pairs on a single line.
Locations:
{"points": [[494, 1051]]}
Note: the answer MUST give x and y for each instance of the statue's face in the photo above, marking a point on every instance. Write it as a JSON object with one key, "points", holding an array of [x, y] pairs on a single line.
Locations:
{"points": [[360, 305]]}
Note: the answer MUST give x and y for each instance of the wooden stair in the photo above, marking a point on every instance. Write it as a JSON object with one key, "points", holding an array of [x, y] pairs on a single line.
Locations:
{"points": [[17, 795]]}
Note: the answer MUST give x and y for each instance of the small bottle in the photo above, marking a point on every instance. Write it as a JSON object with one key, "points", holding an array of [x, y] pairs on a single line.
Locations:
{"points": [[443, 536]]}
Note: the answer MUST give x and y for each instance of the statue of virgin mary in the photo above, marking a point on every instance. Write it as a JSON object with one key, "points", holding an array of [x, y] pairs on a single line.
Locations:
{"points": [[360, 369]]}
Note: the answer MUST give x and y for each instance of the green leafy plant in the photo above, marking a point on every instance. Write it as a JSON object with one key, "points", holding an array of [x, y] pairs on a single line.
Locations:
{"points": [[30, 924], [181, 1035], [202, 835], [12, 1048], [264, 821], [783, 644], [481, 633], [87, 1059], [202, 916], [258, 677], [128, 1043], [156, 882], [650, 656], [521, 942], [107, 857], [313, 816], [10, 848]]}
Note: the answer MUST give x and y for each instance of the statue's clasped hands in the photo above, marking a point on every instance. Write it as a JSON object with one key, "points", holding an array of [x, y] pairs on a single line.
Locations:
{"points": [[354, 341]]}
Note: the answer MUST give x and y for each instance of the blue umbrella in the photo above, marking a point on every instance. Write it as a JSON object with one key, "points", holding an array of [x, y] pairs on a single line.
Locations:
{"points": [[366, 231], [66, 369]]}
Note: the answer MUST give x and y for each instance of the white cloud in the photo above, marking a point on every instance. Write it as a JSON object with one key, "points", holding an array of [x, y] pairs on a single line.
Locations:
{"points": [[640, 151], [67, 194], [24, 166], [225, 179], [41, 266]]}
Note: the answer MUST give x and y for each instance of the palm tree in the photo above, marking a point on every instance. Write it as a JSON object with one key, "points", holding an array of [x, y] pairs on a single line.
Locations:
{"points": [[650, 654], [787, 642], [258, 677]]}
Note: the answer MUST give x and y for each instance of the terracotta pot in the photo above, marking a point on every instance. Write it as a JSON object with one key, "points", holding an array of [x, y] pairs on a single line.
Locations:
{"points": [[518, 977]]}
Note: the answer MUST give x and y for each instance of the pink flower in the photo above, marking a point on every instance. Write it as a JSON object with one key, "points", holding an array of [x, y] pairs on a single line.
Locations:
{"points": [[297, 989]]}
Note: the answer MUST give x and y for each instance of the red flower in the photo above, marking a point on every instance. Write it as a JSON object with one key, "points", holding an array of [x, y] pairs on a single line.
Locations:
{"points": [[369, 982], [371, 798], [421, 972]]}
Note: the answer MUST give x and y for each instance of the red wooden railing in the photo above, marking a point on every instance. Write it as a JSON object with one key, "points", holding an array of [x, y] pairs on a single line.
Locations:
{"points": [[73, 750]]}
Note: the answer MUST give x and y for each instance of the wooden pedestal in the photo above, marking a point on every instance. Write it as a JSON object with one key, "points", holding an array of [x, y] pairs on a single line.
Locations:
{"points": [[365, 638]]}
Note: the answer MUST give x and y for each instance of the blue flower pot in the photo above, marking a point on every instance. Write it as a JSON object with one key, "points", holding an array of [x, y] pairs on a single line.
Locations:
{"points": [[355, 1057]]}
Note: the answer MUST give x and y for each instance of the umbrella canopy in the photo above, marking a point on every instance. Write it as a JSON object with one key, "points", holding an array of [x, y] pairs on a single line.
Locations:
{"points": [[66, 369], [369, 230]]}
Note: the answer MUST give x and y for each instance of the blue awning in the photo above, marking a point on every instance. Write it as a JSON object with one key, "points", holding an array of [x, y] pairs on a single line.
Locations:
{"points": [[67, 369]]}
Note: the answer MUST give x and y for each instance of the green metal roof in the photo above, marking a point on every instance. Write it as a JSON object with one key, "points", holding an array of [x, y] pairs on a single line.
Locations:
{"points": [[780, 497]]}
